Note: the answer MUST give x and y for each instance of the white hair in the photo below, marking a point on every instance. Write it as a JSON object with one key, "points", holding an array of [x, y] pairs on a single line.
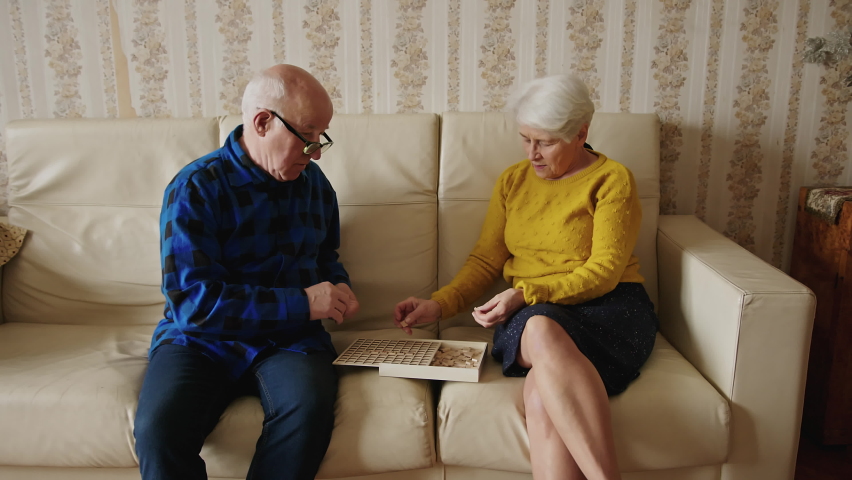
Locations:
{"points": [[264, 90], [559, 104]]}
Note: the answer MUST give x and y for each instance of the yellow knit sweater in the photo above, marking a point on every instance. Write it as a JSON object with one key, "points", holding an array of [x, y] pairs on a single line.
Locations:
{"points": [[561, 241]]}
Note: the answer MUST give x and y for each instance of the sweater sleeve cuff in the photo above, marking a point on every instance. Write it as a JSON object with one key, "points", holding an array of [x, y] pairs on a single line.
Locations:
{"points": [[534, 293], [446, 311]]}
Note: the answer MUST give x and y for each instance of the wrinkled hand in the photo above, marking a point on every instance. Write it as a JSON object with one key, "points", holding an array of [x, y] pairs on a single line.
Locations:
{"points": [[415, 311], [327, 301], [352, 305], [500, 308]]}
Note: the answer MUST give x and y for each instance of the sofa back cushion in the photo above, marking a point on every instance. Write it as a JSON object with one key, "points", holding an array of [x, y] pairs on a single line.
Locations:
{"points": [[89, 192], [477, 147]]}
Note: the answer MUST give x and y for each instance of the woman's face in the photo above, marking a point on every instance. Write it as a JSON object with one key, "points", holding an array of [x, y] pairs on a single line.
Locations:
{"points": [[553, 158]]}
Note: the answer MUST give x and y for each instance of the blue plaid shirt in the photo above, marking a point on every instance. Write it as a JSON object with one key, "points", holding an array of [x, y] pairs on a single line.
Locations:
{"points": [[238, 248]]}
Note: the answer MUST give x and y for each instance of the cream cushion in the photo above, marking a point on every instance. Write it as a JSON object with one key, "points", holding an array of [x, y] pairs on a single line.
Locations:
{"points": [[670, 417], [66, 383], [69, 393]]}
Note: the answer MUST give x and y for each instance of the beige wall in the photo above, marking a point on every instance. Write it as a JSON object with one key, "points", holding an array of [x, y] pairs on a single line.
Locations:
{"points": [[746, 122]]}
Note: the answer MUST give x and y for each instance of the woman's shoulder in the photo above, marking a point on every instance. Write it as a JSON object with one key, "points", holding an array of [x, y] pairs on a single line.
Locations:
{"points": [[513, 174], [516, 169], [613, 168]]}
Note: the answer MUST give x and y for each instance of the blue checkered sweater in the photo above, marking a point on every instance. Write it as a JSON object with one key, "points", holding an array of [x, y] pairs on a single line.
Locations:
{"points": [[238, 248]]}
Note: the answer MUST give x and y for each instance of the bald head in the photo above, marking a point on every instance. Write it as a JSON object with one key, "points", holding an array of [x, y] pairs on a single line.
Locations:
{"points": [[284, 107], [286, 88]]}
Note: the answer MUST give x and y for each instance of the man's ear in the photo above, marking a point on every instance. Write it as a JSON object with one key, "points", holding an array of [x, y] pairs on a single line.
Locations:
{"points": [[262, 121]]}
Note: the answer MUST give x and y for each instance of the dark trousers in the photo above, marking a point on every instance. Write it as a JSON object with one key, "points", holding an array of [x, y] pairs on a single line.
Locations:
{"points": [[185, 393]]}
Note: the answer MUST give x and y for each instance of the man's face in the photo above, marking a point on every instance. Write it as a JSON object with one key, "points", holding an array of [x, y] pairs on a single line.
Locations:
{"points": [[283, 153]]}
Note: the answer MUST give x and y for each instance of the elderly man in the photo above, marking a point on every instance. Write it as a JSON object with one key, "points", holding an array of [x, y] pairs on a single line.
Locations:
{"points": [[249, 235]]}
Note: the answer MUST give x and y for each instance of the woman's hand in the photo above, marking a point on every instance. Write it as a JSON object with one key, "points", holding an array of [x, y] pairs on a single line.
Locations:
{"points": [[415, 311], [500, 308]]}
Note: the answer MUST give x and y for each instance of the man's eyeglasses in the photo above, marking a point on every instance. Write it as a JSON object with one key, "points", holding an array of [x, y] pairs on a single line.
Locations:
{"points": [[310, 147]]}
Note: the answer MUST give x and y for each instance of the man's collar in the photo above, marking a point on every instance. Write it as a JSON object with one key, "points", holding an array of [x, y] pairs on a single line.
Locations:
{"points": [[244, 170]]}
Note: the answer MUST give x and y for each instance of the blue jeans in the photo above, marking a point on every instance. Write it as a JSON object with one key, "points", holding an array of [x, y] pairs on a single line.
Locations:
{"points": [[185, 393]]}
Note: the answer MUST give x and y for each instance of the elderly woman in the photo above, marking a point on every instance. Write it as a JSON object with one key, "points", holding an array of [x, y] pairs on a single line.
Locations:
{"points": [[578, 324]]}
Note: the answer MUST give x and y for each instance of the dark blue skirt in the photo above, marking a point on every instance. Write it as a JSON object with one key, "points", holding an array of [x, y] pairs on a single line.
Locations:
{"points": [[616, 332]]}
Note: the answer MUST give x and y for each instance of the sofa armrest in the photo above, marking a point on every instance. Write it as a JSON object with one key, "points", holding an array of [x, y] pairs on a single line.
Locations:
{"points": [[746, 326]]}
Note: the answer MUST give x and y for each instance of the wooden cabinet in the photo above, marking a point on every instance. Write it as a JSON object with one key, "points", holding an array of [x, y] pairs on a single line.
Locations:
{"points": [[821, 260]]}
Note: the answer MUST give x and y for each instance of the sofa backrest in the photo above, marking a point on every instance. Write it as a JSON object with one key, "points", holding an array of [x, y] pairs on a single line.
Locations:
{"points": [[477, 147], [90, 192]]}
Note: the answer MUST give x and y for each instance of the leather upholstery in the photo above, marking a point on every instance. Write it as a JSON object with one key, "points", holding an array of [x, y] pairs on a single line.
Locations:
{"points": [[722, 400]]}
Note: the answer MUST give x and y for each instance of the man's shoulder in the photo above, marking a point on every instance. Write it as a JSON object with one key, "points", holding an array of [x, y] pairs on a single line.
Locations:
{"points": [[197, 183], [201, 171]]}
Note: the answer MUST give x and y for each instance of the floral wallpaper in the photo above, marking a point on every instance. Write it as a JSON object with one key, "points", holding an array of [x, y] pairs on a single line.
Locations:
{"points": [[497, 63], [708, 111], [366, 20], [670, 64], [21, 68], [586, 24], [321, 24], [193, 60], [453, 59], [148, 57], [63, 57], [782, 205], [410, 61], [542, 18], [759, 27], [832, 147], [745, 122], [628, 49], [279, 37], [107, 58], [235, 24]]}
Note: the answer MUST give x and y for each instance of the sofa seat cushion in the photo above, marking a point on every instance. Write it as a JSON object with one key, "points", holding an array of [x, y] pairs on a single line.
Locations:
{"points": [[69, 396], [68, 393], [381, 424], [670, 417]]}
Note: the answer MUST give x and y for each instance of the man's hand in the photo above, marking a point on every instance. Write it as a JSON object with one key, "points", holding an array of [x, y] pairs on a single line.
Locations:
{"points": [[415, 311], [500, 308], [327, 301], [352, 305]]}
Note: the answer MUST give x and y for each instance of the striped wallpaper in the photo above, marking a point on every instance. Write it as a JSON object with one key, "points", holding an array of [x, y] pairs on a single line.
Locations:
{"points": [[745, 121]]}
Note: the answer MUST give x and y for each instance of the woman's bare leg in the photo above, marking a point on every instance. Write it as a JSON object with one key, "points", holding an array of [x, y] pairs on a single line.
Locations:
{"points": [[551, 460], [573, 396]]}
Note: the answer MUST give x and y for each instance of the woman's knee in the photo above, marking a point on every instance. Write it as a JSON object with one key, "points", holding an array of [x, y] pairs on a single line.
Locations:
{"points": [[542, 328], [542, 334], [544, 338]]}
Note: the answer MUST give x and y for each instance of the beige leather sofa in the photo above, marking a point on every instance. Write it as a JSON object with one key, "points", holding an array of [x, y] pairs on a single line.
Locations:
{"points": [[720, 397]]}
